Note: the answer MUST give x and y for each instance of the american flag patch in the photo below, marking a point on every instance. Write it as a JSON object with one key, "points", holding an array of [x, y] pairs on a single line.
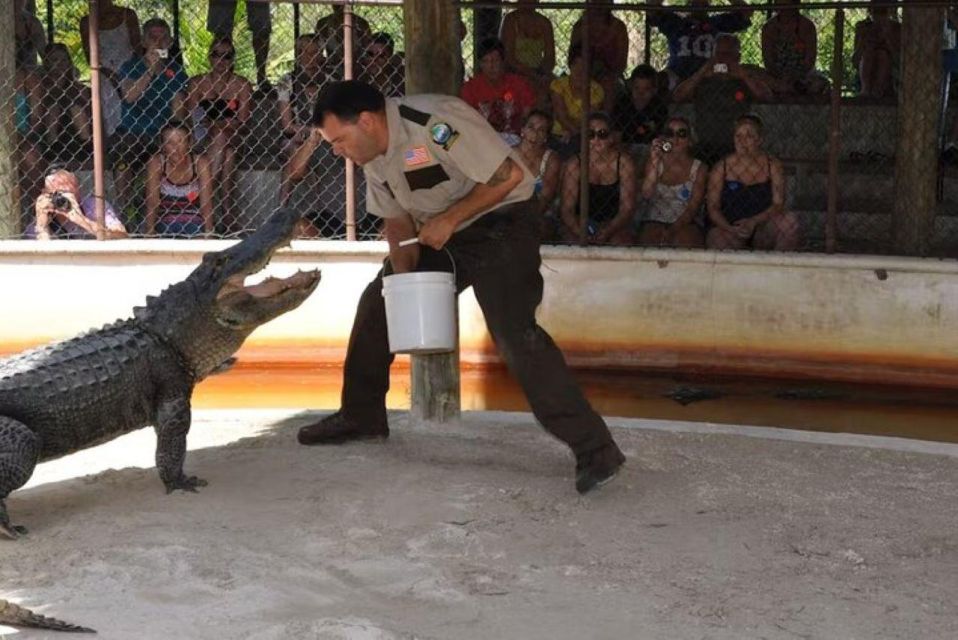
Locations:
{"points": [[416, 156]]}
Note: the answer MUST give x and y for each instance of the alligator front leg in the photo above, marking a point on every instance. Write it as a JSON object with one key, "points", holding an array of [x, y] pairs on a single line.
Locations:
{"points": [[19, 452], [172, 425]]}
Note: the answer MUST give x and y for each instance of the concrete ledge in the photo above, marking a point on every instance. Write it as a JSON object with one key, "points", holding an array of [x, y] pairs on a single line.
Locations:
{"points": [[854, 318]]}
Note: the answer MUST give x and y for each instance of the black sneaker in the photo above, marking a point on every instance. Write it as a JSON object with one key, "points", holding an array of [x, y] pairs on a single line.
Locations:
{"points": [[597, 467], [337, 429]]}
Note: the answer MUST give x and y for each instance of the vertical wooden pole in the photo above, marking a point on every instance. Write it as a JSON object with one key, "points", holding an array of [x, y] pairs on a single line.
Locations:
{"points": [[433, 55], [916, 157], [586, 97], [834, 135], [94, 27], [9, 207], [350, 167]]}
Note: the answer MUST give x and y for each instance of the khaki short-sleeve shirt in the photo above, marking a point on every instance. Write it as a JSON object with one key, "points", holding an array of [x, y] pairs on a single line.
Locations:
{"points": [[439, 149]]}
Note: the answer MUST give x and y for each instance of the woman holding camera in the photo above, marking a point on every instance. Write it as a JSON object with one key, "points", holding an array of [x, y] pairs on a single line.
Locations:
{"points": [[674, 188], [219, 103], [611, 191]]}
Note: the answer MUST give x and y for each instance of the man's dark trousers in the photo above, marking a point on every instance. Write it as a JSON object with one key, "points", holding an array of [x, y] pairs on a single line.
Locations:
{"points": [[498, 255]]}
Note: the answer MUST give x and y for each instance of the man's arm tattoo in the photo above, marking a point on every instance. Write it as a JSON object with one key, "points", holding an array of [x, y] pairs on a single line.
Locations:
{"points": [[502, 173]]}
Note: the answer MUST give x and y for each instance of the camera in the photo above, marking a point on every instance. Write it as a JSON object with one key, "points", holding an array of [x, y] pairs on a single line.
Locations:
{"points": [[720, 67], [60, 202], [163, 53], [666, 146]]}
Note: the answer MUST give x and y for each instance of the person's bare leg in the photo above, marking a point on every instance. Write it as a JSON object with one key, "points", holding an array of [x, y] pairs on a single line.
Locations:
{"points": [[261, 53], [720, 239], [689, 236], [653, 234], [227, 220]]}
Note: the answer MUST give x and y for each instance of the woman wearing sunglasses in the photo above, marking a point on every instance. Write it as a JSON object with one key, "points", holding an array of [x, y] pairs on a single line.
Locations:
{"points": [[611, 191], [219, 103], [746, 196], [674, 188]]}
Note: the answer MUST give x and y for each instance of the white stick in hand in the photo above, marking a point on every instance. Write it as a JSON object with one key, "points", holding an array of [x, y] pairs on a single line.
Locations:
{"points": [[408, 241]]}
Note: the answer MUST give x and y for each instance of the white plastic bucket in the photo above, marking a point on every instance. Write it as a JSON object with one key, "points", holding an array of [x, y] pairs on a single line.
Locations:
{"points": [[421, 311]]}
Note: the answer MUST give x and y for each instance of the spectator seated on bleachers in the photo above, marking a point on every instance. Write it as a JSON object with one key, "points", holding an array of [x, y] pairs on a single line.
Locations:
{"points": [[692, 37], [746, 197], [382, 67], [219, 22], [314, 181], [179, 188], [612, 186], [673, 187], [119, 32], [542, 162], [503, 98], [609, 44], [219, 104], [29, 36], [567, 107], [151, 83], [789, 50], [65, 110], [722, 91], [640, 110], [28, 98], [63, 212], [877, 53], [529, 40], [297, 90], [329, 31]]}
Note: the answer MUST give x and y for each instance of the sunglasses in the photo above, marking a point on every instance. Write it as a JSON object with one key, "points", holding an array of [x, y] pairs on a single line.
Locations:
{"points": [[678, 133], [226, 55], [601, 134]]}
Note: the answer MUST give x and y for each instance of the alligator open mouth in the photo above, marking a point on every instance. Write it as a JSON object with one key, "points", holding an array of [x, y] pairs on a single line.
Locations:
{"points": [[270, 286]]}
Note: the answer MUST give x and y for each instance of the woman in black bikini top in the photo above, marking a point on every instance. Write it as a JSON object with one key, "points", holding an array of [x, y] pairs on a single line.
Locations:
{"points": [[746, 196]]}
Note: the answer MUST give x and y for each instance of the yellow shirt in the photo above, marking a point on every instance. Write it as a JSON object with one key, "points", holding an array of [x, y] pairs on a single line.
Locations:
{"points": [[573, 102]]}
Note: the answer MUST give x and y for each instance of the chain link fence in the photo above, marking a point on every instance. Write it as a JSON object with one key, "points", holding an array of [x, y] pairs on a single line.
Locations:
{"points": [[717, 125]]}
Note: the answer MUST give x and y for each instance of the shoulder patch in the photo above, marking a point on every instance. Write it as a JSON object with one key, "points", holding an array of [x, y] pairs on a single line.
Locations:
{"points": [[443, 135], [414, 115]]}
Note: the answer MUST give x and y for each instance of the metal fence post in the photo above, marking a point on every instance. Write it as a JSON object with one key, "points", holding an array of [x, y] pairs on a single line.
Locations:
{"points": [[9, 197], [94, 26]]}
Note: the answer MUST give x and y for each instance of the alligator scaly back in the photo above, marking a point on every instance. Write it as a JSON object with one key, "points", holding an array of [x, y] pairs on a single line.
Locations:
{"points": [[17, 616]]}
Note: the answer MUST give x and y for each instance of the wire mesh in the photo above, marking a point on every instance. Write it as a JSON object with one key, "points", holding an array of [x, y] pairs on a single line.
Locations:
{"points": [[671, 163]]}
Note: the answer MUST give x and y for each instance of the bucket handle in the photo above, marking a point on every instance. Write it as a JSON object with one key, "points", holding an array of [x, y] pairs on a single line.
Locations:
{"points": [[415, 240]]}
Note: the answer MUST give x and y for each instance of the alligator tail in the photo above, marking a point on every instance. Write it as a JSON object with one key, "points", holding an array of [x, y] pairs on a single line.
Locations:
{"points": [[17, 616]]}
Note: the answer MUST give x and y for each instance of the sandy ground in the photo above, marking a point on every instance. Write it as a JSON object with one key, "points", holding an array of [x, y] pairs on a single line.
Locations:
{"points": [[475, 531]]}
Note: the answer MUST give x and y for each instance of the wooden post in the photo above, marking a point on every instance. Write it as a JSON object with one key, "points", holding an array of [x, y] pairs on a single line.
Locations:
{"points": [[916, 156], [834, 135], [9, 207], [433, 56]]}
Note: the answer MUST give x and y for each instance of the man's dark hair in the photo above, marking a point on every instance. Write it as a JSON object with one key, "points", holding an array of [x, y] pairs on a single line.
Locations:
{"points": [[646, 72], [489, 45], [383, 38], [346, 100], [155, 22]]}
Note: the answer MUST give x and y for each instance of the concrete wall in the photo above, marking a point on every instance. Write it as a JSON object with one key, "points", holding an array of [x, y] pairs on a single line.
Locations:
{"points": [[832, 317]]}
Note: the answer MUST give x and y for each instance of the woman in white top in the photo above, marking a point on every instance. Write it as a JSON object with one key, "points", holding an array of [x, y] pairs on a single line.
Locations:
{"points": [[674, 188], [542, 161], [119, 31]]}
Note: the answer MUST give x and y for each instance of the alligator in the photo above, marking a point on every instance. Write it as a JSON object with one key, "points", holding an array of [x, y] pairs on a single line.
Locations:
{"points": [[139, 371]]}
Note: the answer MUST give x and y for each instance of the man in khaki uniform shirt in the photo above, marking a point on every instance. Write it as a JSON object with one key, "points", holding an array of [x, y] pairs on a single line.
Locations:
{"points": [[435, 170]]}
